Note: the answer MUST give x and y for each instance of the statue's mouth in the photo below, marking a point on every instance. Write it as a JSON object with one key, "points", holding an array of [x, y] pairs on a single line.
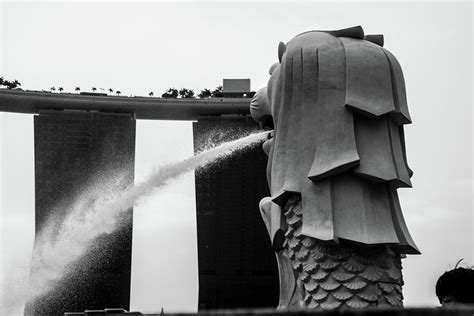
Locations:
{"points": [[268, 143]]}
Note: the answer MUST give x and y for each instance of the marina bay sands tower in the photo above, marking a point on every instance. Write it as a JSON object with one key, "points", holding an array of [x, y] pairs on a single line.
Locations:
{"points": [[82, 138], [73, 150]]}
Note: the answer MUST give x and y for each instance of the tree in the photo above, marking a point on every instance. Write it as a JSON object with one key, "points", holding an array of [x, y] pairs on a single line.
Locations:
{"points": [[53, 89], [150, 94], [9, 84], [182, 92], [15, 84], [170, 93], [94, 89], [77, 89], [118, 92], [186, 93], [217, 91], [111, 90], [60, 89], [206, 93]]}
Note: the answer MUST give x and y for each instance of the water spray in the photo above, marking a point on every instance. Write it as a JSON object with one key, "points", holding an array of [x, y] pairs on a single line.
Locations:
{"points": [[54, 255]]}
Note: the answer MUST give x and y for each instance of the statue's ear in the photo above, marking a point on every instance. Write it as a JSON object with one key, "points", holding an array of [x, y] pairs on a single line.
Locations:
{"points": [[272, 68], [376, 39], [281, 50]]}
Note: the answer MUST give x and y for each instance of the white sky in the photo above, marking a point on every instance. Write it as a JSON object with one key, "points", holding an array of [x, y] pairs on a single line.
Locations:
{"points": [[138, 48]]}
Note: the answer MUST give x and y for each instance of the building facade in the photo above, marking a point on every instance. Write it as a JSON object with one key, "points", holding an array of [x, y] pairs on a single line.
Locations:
{"points": [[237, 267], [73, 150], [76, 144]]}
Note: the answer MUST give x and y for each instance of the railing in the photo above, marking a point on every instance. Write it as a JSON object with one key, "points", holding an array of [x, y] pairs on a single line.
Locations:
{"points": [[457, 311]]}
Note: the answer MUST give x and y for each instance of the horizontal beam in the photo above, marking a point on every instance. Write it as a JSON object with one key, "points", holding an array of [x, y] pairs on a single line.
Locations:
{"points": [[147, 108]]}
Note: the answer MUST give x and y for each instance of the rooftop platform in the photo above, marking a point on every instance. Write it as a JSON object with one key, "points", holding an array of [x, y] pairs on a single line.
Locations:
{"points": [[146, 108]]}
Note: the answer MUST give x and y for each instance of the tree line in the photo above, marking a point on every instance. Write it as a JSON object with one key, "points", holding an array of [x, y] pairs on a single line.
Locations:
{"points": [[9, 84], [173, 93], [170, 93]]}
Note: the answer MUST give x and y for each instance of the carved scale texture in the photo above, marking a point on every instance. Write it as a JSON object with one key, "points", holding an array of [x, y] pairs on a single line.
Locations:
{"points": [[334, 277]]}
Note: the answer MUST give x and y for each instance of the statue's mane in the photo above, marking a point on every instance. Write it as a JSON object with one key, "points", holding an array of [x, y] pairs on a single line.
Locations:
{"points": [[352, 32], [338, 104], [356, 32]]}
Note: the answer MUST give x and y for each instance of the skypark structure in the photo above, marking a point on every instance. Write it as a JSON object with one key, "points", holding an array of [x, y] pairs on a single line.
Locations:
{"points": [[81, 137], [143, 108]]}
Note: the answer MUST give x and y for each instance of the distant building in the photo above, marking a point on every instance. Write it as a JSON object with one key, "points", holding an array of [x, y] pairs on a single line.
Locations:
{"points": [[235, 88], [237, 267], [75, 141], [72, 149]]}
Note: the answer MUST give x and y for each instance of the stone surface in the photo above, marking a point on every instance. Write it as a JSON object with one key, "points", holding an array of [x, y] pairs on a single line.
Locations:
{"points": [[337, 101]]}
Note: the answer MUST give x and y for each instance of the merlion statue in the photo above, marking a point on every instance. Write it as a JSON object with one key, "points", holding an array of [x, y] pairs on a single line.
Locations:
{"points": [[337, 103]]}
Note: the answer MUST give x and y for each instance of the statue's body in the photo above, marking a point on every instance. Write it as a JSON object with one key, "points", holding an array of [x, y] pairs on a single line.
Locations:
{"points": [[337, 103]]}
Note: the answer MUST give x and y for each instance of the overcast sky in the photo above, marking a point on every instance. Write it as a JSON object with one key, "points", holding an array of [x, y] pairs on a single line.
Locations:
{"points": [[141, 47]]}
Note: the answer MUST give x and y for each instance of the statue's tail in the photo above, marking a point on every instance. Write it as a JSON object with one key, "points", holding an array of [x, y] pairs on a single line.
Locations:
{"points": [[331, 276]]}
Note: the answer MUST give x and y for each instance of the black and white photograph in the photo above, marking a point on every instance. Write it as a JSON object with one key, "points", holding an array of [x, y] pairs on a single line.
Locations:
{"points": [[236, 157]]}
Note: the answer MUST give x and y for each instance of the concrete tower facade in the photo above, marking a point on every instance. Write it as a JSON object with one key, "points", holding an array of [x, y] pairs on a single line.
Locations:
{"points": [[73, 150], [237, 267]]}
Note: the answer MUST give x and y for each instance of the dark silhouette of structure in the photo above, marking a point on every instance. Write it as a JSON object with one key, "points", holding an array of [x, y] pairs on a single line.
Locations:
{"points": [[237, 266], [80, 136], [71, 150]]}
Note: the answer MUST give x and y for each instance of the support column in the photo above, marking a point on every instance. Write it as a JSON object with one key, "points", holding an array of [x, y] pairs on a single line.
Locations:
{"points": [[73, 150], [237, 266]]}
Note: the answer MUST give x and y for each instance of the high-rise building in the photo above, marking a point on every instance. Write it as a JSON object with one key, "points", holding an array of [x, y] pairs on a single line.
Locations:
{"points": [[237, 267], [75, 147], [73, 150]]}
